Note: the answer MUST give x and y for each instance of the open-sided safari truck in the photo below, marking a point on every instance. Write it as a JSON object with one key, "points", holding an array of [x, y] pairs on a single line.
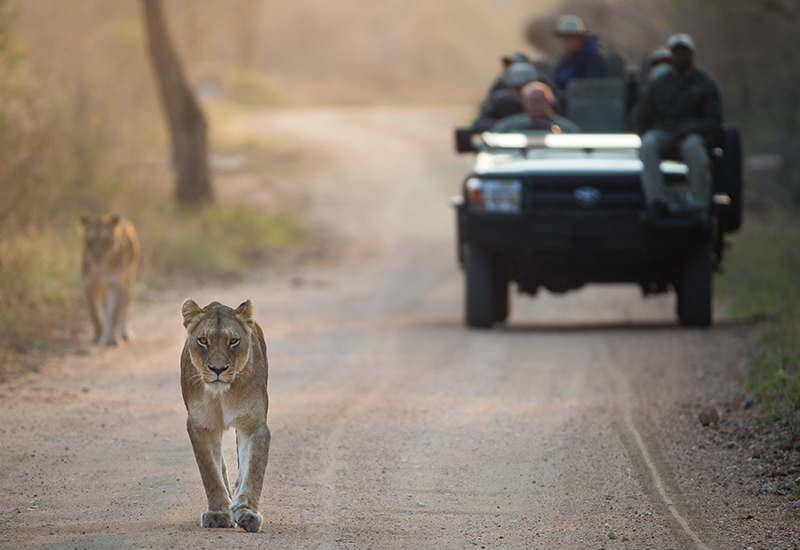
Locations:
{"points": [[562, 210]]}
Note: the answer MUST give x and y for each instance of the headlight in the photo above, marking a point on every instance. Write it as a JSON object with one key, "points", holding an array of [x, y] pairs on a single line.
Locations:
{"points": [[495, 195]]}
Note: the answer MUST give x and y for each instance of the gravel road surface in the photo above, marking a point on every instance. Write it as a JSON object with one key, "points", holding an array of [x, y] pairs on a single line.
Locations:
{"points": [[393, 425]]}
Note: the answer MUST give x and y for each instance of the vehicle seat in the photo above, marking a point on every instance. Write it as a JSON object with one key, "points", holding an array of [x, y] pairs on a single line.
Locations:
{"points": [[598, 105], [615, 66]]}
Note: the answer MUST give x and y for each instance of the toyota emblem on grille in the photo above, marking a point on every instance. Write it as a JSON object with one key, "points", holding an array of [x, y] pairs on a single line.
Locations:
{"points": [[588, 197]]}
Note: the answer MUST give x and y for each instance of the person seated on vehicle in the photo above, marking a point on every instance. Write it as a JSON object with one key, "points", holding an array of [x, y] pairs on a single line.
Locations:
{"points": [[658, 62], [654, 65], [537, 100], [506, 102], [679, 113], [507, 61], [581, 58]]}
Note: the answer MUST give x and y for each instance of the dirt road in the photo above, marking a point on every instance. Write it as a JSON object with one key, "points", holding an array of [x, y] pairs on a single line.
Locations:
{"points": [[393, 425]]}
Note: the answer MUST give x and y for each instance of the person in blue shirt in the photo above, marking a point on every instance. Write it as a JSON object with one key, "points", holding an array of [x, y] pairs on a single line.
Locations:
{"points": [[581, 58]]}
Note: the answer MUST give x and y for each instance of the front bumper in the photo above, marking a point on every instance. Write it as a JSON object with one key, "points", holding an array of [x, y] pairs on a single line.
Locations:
{"points": [[564, 249]]}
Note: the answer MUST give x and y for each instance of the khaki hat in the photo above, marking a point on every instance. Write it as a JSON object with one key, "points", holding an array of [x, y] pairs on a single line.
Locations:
{"points": [[519, 74], [680, 40], [570, 25]]}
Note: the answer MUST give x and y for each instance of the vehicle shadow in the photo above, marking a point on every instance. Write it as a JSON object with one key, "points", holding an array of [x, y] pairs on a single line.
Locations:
{"points": [[601, 326]]}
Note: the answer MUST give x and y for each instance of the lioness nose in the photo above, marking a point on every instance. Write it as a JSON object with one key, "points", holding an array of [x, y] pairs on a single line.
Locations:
{"points": [[218, 370]]}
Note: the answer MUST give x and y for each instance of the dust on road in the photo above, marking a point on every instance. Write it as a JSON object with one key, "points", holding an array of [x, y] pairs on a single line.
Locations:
{"points": [[393, 425]]}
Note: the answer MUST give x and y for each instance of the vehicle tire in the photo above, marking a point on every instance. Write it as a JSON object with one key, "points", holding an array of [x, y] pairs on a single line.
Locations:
{"points": [[695, 287], [500, 297], [480, 288]]}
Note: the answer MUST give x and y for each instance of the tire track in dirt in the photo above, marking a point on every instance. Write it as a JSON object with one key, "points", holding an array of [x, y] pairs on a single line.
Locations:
{"points": [[641, 438]]}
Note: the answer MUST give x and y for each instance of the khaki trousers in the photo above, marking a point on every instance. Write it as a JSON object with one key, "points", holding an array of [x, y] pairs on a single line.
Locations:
{"points": [[656, 143]]}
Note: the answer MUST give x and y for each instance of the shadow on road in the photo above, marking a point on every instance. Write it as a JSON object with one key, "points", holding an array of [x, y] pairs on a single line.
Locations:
{"points": [[602, 326]]}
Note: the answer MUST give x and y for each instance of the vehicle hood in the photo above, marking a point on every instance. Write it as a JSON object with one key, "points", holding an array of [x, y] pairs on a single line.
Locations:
{"points": [[570, 162]]}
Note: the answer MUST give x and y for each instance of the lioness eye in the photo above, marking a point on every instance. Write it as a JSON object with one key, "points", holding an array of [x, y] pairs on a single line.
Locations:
{"points": [[233, 342], [203, 341]]}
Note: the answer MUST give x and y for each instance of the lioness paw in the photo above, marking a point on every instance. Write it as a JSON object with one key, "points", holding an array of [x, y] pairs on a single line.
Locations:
{"points": [[248, 520], [217, 519]]}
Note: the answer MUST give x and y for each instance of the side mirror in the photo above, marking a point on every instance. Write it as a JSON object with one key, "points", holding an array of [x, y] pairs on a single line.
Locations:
{"points": [[464, 139]]}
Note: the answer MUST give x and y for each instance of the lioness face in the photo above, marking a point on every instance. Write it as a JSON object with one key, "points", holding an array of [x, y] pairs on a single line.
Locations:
{"points": [[219, 341], [98, 234]]}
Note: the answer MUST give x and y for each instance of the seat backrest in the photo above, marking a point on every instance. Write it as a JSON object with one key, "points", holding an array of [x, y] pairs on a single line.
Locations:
{"points": [[615, 66], [598, 105]]}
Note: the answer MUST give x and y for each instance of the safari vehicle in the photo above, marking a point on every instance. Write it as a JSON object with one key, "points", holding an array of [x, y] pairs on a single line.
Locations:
{"points": [[559, 211]]}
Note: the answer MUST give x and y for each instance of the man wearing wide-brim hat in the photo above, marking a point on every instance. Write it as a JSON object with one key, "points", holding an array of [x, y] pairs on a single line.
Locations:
{"points": [[581, 58], [679, 113]]}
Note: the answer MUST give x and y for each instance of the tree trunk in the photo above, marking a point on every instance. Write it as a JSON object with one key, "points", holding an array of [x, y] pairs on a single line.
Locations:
{"points": [[186, 121]]}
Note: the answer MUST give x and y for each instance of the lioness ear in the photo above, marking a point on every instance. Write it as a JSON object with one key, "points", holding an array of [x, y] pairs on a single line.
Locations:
{"points": [[245, 309], [84, 220], [114, 219], [190, 310]]}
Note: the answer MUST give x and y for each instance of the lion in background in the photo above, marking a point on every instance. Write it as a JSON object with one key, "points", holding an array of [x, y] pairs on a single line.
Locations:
{"points": [[110, 256], [224, 383]]}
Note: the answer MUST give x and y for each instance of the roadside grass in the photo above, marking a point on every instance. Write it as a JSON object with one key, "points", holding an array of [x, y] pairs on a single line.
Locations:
{"points": [[762, 278], [218, 240], [251, 88], [39, 287]]}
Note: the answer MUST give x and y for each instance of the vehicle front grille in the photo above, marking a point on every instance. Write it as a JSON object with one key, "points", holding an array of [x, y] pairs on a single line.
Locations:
{"points": [[558, 192]]}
